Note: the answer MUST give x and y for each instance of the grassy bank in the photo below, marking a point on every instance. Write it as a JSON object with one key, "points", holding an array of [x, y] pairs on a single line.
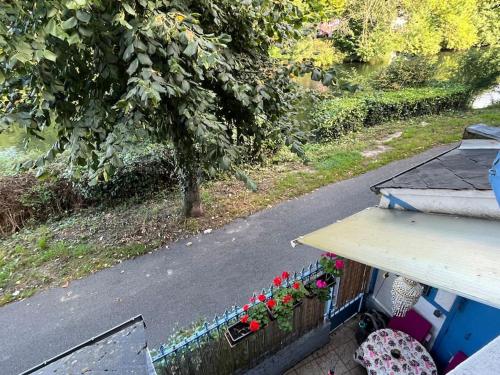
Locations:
{"points": [[92, 239]]}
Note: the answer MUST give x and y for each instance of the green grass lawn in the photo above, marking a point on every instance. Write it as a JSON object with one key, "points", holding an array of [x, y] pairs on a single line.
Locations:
{"points": [[57, 252]]}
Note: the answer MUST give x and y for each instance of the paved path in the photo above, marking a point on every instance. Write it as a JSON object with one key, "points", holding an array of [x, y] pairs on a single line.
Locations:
{"points": [[183, 283]]}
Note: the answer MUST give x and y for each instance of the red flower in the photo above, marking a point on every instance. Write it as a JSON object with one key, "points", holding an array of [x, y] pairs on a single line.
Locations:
{"points": [[246, 307], [271, 303], [277, 281], [244, 318], [285, 275], [339, 264], [252, 299], [288, 298], [261, 297], [296, 285], [254, 325]]}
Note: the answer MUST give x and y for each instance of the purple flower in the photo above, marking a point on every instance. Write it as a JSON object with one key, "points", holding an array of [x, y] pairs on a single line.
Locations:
{"points": [[321, 284]]}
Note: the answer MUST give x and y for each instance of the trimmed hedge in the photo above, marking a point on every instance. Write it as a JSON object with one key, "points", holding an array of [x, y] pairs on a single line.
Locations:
{"points": [[338, 116]]}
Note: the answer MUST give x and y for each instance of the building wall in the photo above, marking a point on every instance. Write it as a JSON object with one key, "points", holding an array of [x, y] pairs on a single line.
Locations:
{"points": [[426, 306]]}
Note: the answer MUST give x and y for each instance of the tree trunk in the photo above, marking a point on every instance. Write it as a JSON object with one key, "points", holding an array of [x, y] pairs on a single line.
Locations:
{"points": [[192, 199]]}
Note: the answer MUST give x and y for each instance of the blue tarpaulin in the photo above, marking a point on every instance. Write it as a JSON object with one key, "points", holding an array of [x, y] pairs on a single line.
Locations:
{"points": [[495, 178]]}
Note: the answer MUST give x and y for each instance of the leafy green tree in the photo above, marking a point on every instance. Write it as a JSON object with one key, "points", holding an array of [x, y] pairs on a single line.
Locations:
{"points": [[318, 51], [479, 68], [192, 73], [457, 21], [378, 27], [368, 35], [420, 35], [488, 21], [435, 24], [320, 10]]}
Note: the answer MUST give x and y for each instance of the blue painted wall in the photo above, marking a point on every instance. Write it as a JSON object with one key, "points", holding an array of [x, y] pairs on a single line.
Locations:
{"points": [[468, 327]]}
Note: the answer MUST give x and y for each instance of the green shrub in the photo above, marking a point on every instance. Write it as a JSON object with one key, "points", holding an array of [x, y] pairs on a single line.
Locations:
{"points": [[405, 71], [320, 51], [23, 197], [146, 169], [479, 68], [338, 116], [335, 117], [393, 105]]}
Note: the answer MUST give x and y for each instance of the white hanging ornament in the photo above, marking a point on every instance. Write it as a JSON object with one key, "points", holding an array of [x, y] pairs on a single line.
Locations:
{"points": [[405, 294]]}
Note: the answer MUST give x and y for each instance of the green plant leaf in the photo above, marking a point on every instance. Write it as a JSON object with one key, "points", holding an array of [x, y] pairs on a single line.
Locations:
{"points": [[144, 59], [85, 32], [191, 48], [128, 52], [69, 23], [133, 67], [83, 16], [129, 9], [73, 39], [49, 55], [21, 57], [51, 12]]}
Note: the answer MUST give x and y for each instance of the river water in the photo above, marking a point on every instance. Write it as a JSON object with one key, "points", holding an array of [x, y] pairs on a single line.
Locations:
{"points": [[487, 98]]}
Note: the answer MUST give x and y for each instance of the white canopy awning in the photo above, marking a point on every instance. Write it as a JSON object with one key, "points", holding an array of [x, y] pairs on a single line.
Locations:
{"points": [[457, 254]]}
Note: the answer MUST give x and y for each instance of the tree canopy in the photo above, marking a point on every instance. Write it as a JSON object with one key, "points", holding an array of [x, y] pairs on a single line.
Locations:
{"points": [[192, 73], [374, 28]]}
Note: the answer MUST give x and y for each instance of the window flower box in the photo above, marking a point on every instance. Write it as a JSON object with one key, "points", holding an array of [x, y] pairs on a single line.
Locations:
{"points": [[237, 332]]}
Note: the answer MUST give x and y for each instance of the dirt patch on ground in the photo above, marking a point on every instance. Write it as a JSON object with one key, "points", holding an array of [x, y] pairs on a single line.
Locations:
{"points": [[381, 146]]}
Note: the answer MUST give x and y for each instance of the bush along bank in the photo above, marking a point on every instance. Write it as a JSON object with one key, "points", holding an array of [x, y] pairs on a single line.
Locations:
{"points": [[24, 198], [334, 117]]}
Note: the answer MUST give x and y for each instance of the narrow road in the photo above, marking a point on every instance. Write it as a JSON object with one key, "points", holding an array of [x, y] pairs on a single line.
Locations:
{"points": [[175, 286]]}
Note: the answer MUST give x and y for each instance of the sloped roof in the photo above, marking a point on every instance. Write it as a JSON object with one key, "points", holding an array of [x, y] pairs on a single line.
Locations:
{"points": [[482, 131], [458, 169], [121, 350]]}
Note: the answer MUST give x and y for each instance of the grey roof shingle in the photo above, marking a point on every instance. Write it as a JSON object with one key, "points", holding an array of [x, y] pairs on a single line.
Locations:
{"points": [[458, 169], [481, 131]]}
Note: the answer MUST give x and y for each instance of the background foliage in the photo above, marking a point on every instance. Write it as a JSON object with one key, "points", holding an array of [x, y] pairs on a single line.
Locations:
{"points": [[369, 30]]}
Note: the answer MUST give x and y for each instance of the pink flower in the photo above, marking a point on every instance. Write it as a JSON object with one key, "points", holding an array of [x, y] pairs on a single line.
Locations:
{"points": [[252, 299], [321, 284], [330, 255], [339, 264]]}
